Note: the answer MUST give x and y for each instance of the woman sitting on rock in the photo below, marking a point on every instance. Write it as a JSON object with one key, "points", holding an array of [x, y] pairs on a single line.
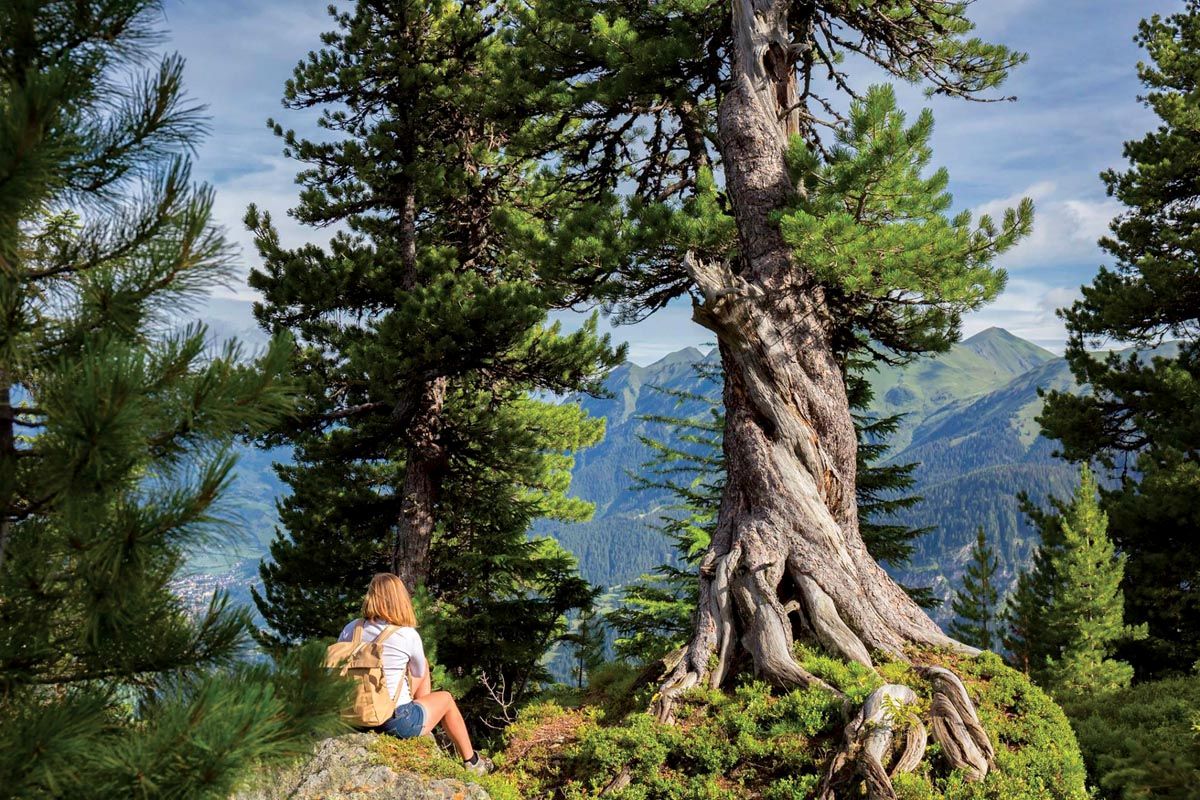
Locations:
{"points": [[418, 709]]}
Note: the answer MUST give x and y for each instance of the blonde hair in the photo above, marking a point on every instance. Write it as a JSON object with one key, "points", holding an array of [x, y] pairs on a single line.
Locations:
{"points": [[387, 599]]}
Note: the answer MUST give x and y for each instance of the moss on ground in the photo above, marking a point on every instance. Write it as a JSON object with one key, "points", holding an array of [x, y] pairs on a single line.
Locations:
{"points": [[753, 743], [423, 756]]}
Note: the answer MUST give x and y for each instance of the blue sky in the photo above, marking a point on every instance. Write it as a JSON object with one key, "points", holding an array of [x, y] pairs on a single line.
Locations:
{"points": [[1077, 103]]}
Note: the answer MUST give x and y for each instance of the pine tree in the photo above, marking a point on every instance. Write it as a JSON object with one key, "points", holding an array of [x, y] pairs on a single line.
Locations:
{"points": [[423, 339], [883, 488], [1066, 617], [655, 613], [1028, 635], [1021, 620], [1086, 608], [975, 604], [1141, 411], [588, 642], [115, 429], [810, 235]]}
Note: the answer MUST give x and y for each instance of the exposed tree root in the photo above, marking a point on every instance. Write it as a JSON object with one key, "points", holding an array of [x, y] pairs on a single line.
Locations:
{"points": [[884, 732], [885, 737], [956, 725]]}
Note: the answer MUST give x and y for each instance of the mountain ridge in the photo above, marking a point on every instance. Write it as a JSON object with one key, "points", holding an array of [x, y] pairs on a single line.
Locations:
{"points": [[967, 419], [966, 416]]}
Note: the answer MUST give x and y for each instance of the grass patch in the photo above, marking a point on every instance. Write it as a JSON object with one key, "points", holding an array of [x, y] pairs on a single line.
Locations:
{"points": [[421, 755]]}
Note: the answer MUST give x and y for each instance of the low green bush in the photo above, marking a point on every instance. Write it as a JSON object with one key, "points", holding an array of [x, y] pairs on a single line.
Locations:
{"points": [[1143, 742], [754, 742]]}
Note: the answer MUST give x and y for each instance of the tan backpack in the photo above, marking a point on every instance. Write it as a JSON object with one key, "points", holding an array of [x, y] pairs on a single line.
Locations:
{"points": [[363, 662]]}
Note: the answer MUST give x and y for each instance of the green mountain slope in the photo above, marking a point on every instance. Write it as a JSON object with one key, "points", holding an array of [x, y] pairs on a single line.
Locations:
{"points": [[969, 422], [986, 362], [618, 544], [975, 455]]}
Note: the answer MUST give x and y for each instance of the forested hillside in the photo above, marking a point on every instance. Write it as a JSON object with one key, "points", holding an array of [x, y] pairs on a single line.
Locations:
{"points": [[968, 422]]}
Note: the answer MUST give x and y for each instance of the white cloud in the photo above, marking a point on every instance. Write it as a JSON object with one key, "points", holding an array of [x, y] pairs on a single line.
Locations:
{"points": [[1065, 229], [1077, 104], [273, 190], [238, 57]]}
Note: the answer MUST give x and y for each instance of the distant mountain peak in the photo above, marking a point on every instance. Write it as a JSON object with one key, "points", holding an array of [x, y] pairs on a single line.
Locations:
{"points": [[687, 355], [1007, 349], [991, 334]]}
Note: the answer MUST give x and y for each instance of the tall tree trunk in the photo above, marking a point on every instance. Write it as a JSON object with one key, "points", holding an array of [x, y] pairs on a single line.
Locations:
{"points": [[422, 478], [787, 558], [419, 416]]}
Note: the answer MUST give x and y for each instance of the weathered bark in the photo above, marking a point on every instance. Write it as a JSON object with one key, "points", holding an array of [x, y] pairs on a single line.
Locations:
{"points": [[956, 724], [423, 465], [787, 558], [872, 742]]}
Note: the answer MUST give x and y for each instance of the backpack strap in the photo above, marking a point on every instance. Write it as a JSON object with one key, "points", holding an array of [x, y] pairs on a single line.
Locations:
{"points": [[384, 634], [356, 640]]}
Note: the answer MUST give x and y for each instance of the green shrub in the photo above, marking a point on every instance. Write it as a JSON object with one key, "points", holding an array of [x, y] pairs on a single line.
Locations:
{"points": [[1143, 741], [613, 687], [754, 742]]}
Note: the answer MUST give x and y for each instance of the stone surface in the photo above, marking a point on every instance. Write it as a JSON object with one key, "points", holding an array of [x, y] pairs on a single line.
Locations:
{"points": [[342, 768]]}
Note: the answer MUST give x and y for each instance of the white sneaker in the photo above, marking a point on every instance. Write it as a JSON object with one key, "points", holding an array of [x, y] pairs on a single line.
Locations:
{"points": [[482, 766]]}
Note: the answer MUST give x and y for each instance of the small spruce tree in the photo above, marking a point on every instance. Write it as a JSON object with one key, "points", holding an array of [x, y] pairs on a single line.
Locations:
{"points": [[655, 614], [1087, 606], [1066, 617], [1027, 633], [975, 604], [587, 641]]}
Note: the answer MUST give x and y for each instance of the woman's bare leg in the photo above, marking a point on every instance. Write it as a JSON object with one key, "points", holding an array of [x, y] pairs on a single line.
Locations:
{"points": [[440, 707]]}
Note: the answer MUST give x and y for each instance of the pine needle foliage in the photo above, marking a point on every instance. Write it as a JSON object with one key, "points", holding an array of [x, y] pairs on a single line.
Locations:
{"points": [[873, 224], [425, 352], [1141, 413], [115, 431]]}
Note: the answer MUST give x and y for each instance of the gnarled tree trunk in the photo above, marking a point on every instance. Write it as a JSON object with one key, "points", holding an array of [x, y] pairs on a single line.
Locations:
{"points": [[787, 558]]}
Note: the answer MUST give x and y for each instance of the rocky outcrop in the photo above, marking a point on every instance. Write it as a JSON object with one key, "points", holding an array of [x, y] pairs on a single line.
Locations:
{"points": [[344, 768]]}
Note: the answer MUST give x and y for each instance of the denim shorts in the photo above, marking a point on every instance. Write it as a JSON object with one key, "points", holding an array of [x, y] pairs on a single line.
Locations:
{"points": [[407, 721]]}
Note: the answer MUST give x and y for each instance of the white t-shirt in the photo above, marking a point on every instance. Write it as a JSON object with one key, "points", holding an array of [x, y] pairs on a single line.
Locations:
{"points": [[401, 651]]}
